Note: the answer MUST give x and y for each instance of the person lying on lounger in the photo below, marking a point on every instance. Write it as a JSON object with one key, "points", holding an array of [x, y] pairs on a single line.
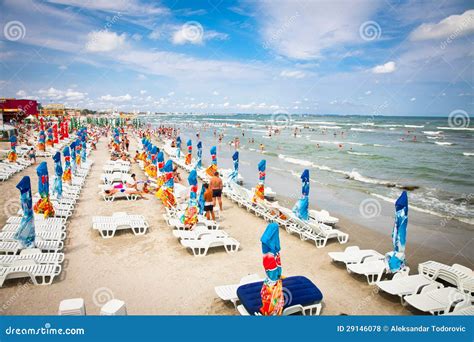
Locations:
{"points": [[128, 191]]}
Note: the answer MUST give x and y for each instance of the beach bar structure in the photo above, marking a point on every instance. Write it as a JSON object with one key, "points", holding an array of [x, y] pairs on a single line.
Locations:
{"points": [[17, 109]]}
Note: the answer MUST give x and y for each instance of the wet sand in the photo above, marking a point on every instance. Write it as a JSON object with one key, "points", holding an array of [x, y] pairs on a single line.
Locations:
{"points": [[155, 275]]}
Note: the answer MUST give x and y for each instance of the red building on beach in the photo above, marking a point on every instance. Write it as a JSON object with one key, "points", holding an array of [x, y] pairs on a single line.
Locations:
{"points": [[17, 109]]}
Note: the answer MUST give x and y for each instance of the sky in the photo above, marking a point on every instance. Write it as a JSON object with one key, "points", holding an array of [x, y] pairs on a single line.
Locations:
{"points": [[216, 56]]}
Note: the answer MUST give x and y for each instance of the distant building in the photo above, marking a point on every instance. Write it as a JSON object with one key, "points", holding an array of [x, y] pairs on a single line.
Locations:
{"points": [[54, 109], [17, 109]]}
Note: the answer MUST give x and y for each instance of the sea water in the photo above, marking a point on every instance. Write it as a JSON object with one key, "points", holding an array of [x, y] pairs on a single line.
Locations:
{"points": [[430, 157]]}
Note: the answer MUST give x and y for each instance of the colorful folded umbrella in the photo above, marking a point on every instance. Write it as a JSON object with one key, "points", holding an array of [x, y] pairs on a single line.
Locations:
{"points": [[199, 155], [235, 172], [165, 192], [67, 165], [396, 259], [271, 292], [58, 180], [44, 205], [189, 155], [178, 147], [41, 141], [212, 169], [189, 218], [26, 231], [260, 188], [301, 207], [12, 156]]}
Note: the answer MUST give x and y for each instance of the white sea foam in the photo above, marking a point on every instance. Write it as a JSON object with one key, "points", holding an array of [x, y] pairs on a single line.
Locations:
{"points": [[458, 128], [432, 132], [330, 127], [415, 126], [359, 153], [443, 143], [301, 162], [468, 154], [361, 129]]}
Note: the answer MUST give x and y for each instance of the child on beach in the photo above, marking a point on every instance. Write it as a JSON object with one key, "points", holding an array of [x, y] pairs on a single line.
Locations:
{"points": [[32, 155], [208, 203]]}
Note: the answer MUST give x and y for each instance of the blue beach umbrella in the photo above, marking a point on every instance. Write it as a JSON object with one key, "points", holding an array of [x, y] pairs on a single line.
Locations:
{"points": [[178, 147], [58, 170], [301, 207], [201, 201], [199, 155], [161, 161], [234, 174], [396, 259], [73, 156], [26, 232]]}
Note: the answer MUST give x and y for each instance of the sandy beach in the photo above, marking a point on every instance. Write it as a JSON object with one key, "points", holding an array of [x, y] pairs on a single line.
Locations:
{"points": [[155, 275]]}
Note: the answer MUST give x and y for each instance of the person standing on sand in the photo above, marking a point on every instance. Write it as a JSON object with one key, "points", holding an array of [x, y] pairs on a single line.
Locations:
{"points": [[208, 203], [216, 186]]}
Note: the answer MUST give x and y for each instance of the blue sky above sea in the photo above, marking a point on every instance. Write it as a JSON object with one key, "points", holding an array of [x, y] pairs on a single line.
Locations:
{"points": [[319, 57]]}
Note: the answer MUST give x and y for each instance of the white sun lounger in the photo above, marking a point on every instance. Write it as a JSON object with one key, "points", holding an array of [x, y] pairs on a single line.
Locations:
{"points": [[14, 247], [229, 292], [34, 254], [402, 284], [430, 268], [39, 227], [373, 268], [38, 273], [467, 311], [201, 246], [176, 223], [198, 232], [323, 216], [119, 194], [309, 310], [45, 235], [354, 255]]}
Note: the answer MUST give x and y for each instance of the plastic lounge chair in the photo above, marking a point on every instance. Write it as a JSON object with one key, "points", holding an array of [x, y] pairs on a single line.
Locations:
{"points": [[201, 246], [229, 292], [72, 307], [402, 284], [323, 216], [430, 268], [354, 255], [33, 254], [39, 274], [301, 296], [14, 247], [466, 311], [198, 232], [114, 307], [373, 268]]}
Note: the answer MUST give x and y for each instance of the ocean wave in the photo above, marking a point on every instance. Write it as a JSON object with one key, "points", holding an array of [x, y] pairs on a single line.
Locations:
{"points": [[361, 129], [415, 126], [296, 161], [458, 128], [330, 127], [427, 211], [435, 137], [432, 132], [338, 142], [468, 154], [359, 153], [443, 143]]}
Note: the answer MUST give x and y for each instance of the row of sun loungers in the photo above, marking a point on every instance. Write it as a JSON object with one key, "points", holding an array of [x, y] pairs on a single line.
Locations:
{"points": [[8, 169], [43, 263], [437, 288]]}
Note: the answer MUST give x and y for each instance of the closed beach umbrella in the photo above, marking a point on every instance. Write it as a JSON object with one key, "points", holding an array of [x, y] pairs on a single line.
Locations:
{"points": [[234, 174], [213, 167], [301, 207], [41, 141], [199, 155], [44, 205], [55, 134], [49, 137], [161, 161], [260, 188], [396, 258], [165, 192], [84, 151], [58, 170], [190, 214], [73, 157], [41, 124], [201, 201], [178, 147], [67, 165], [189, 155], [25, 234], [272, 292], [66, 129], [78, 153], [12, 156], [151, 168]]}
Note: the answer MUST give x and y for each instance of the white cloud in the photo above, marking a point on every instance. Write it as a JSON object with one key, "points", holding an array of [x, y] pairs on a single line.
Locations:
{"points": [[103, 41], [384, 68], [215, 93], [130, 7], [292, 74], [57, 94], [454, 25], [21, 93], [62, 67], [368, 92], [142, 92], [302, 30], [171, 93], [413, 99], [121, 98], [141, 77], [154, 35], [192, 32], [137, 37]]}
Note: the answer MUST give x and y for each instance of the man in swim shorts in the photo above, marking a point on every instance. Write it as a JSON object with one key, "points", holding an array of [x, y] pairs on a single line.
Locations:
{"points": [[216, 186]]}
